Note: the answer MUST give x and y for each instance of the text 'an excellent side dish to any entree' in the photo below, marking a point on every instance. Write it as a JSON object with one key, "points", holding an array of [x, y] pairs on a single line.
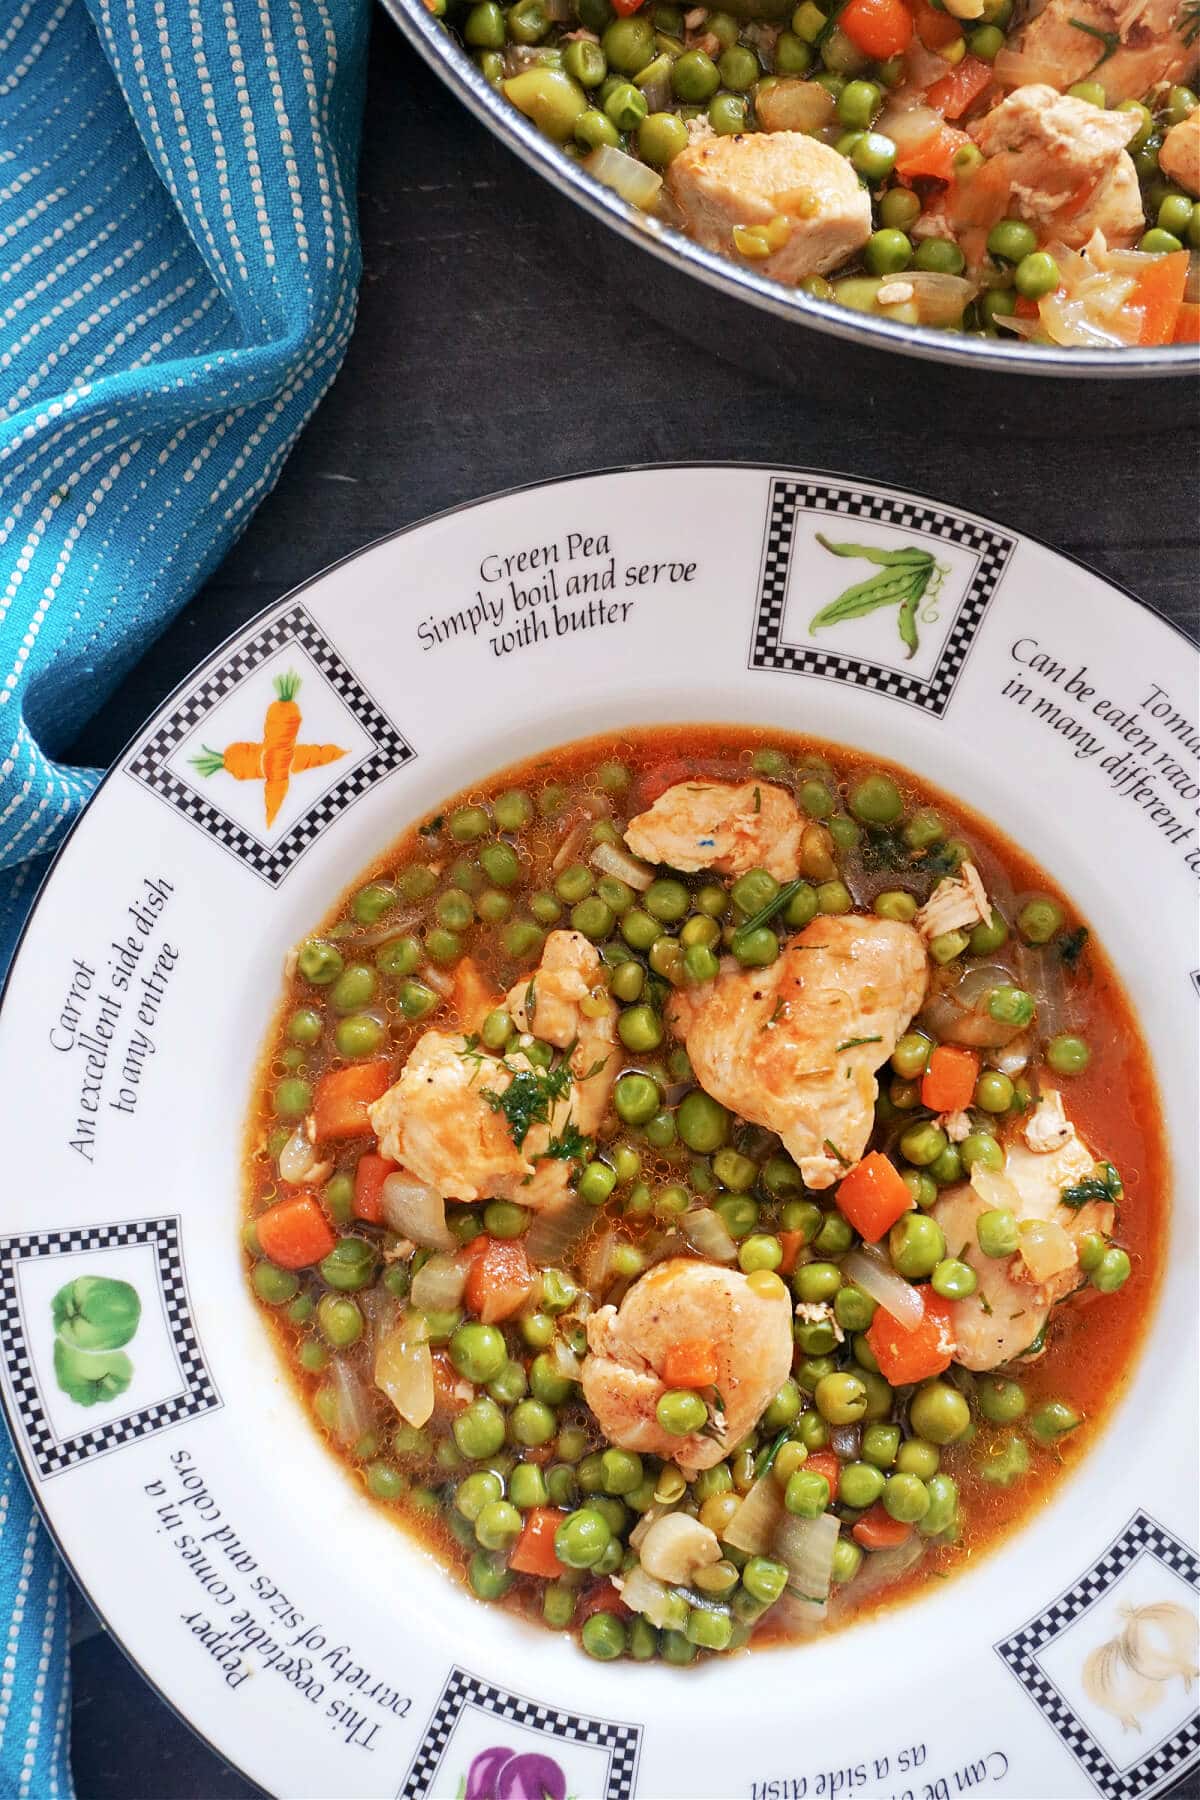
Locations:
{"points": [[704, 1183], [1027, 168]]}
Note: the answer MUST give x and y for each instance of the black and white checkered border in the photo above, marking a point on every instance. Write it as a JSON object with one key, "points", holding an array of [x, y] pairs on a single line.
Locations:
{"points": [[1142, 1536], [272, 863], [623, 1742], [791, 500], [52, 1455]]}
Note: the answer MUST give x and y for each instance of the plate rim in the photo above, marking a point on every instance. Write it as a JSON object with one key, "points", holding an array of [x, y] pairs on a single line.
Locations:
{"points": [[686, 465]]}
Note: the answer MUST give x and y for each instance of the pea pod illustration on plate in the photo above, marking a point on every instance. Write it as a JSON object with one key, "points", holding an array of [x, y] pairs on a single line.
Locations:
{"points": [[94, 1318], [905, 577]]}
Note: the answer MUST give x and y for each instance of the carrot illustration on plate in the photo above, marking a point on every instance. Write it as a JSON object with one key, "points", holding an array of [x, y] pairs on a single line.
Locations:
{"points": [[278, 757]]}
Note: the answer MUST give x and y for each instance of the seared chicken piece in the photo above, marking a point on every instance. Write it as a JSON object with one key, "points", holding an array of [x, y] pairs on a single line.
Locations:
{"points": [[1179, 158], [680, 1302], [721, 825], [956, 904], [439, 1121], [1065, 160], [763, 176], [1150, 51], [795, 1046], [1008, 1308]]}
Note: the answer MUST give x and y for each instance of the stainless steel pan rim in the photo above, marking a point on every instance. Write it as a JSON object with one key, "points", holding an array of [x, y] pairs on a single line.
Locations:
{"points": [[459, 73]]}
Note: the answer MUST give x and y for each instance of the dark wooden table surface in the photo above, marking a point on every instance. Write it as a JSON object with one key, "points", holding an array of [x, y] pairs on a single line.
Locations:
{"points": [[483, 359]]}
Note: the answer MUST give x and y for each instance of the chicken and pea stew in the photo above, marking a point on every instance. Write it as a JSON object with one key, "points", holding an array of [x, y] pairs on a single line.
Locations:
{"points": [[991, 166], [704, 1185]]}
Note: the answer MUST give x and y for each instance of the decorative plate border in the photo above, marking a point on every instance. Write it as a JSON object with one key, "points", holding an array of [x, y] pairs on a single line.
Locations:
{"points": [[50, 1453], [1142, 1536], [271, 862], [787, 499], [462, 1689]]}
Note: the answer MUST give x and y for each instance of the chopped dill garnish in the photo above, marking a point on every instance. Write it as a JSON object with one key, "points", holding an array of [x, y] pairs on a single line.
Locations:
{"points": [[1102, 1184], [569, 1146], [529, 1098], [758, 800], [1110, 39], [432, 826], [768, 911], [853, 1043], [834, 1151]]}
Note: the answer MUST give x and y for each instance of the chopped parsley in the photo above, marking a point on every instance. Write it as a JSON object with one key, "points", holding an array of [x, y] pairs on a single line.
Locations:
{"points": [[432, 826], [758, 800], [764, 913], [853, 1043], [834, 1151], [569, 1146], [780, 1007], [531, 1000], [1071, 947], [1102, 1184], [529, 1098], [1110, 39]]}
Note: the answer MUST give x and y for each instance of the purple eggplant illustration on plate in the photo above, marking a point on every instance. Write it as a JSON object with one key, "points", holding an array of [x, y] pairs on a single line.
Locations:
{"points": [[504, 1774]]}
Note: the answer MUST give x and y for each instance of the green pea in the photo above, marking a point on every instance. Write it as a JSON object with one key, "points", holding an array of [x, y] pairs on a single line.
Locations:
{"points": [[398, 957], [305, 1025], [811, 1430], [921, 1186], [638, 929], [1181, 104], [984, 939], [756, 949], [639, 1029], [999, 303], [488, 1578], [738, 1213], [943, 1506], [1010, 240], [916, 1245], [702, 1123], [860, 1485], [1001, 1401], [1011, 1006], [792, 54], [292, 1098], [681, 1412], [594, 918], [939, 1413], [727, 114], [986, 42], [947, 1168], [981, 1147], [905, 1498], [629, 44], [512, 811], [806, 1494], [442, 946], [1005, 1462], [355, 987], [993, 1091], [953, 1279], [910, 1058], [532, 1423], [739, 70], [880, 1396], [941, 256], [815, 1282], [887, 252], [417, 1000], [621, 1471], [339, 1320], [504, 1219], [582, 1538], [880, 1444], [858, 103], [636, 1097], [733, 1170], [479, 1430], [1091, 91], [350, 1265], [498, 1525], [1112, 1271], [318, 962], [1039, 919], [875, 799], [847, 1560], [358, 1036], [1068, 1054], [1052, 1420], [899, 209], [604, 1636], [695, 77], [661, 136], [922, 1144], [835, 1236], [834, 897], [478, 1352], [527, 22], [709, 1630], [841, 1398], [895, 904], [273, 1285], [997, 1232], [947, 945], [476, 1491], [1159, 243], [1035, 275], [760, 1251], [853, 1309]]}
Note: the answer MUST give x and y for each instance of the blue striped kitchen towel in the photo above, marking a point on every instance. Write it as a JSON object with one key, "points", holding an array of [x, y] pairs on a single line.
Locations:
{"points": [[178, 273]]}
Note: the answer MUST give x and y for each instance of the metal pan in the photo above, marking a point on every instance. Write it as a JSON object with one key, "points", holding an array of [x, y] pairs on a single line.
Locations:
{"points": [[791, 336]]}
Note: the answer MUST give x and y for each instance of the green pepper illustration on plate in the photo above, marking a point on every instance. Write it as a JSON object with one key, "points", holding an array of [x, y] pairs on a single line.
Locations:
{"points": [[94, 1317], [903, 580]]}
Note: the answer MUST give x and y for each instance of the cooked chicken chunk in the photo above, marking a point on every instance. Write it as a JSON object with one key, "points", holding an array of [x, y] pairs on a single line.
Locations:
{"points": [[440, 1120], [956, 904], [721, 825], [680, 1302], [1151, 50], [722, 182], [795, 1046], [1008, 1308], [1066, 164], [1179, 158]]}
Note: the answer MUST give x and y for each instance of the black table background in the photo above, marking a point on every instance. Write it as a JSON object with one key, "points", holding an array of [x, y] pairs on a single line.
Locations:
{"points": [[482, 359]]}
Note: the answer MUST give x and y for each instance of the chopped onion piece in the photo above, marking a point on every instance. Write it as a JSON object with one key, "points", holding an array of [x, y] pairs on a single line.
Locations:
{"points": [[957, 1012], [792, 104], [940, 299], [438, 1284], [705, 1231], [908, 126], [415, 1211], [643, 1594], [806, 1546], [867, 1269], [404, 1370], [437, 979], [554, 1231], [625, 175], [352, 1416], [1046, 1249], [297, 1159], [1013, 68], [610, 859], [995, 1189], [799, 1617], [394, 924], [571, 843], [597, 1261], [565, 1361], [756, 1520]]}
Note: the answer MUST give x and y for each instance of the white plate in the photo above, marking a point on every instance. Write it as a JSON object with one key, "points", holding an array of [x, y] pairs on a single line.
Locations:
{"points": [[291, 1624]]}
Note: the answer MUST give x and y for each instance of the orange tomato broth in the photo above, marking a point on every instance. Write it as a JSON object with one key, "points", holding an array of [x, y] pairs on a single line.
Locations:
{"points": [[1093, 1339]]}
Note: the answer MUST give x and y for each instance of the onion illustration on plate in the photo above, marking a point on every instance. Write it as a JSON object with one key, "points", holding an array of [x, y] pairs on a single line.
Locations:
{"points": [[504, 1774], [1128, 1675]]}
